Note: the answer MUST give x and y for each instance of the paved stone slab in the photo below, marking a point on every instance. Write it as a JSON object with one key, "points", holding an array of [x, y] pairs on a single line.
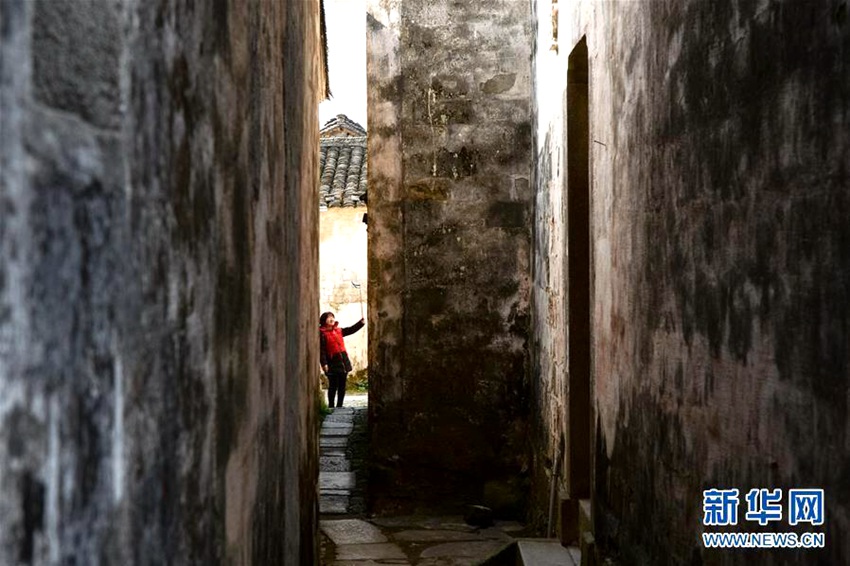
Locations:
{"points": [[333, 504], [510, 526], [469, 549], [336, 480], [456, 561], [451, 523], [352, 531], [332, 441], [433, 535], [397, 522], [544, 552], [576, 554], [337, 412], [495, 533], [335, 424], [332, 431], [380, 551], [357, 401], [334, 463], [347, 418], [335, 492], [398, 562]]}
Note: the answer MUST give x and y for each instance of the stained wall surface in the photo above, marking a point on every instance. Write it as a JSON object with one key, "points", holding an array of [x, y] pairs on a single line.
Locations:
{"points": [[449, 250], [549, 372], [720, 263], [158, 276]]}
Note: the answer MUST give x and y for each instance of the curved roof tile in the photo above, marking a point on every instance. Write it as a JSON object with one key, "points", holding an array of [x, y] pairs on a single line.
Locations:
{"points": [[343, 168]]}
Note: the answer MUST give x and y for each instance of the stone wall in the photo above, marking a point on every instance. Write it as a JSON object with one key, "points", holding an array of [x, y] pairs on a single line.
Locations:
{"points": [[158, 276], [449, 250], [720, 263], [549, 387]]}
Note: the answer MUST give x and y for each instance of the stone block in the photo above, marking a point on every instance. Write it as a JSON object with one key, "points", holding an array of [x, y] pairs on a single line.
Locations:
{"points": [[430, 535], [338, 417], [336, 480], [468, 549], [335, 424], [333, 451], [76, 58], [544, 552], [333, 504], [352, 531], [332, 431], [379, 551], [334, 463]]}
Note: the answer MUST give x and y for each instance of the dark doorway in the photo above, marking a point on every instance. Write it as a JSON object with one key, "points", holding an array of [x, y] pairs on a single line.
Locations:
{"points": [[578, 259]]}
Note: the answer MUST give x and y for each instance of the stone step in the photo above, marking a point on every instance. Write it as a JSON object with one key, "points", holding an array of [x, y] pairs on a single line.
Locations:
{"points": [[386, 553], [344, 418], [546, 552], [333, 441], [334, 463], [336, 431], [335, 424], [463, 552], [333, 504], [352, 531], [336, 480], [332, 451]]}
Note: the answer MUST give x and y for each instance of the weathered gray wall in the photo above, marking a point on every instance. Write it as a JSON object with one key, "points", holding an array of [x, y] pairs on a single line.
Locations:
{"points": [[721, 262], [549, 390], [158, 254], [449, 250]]}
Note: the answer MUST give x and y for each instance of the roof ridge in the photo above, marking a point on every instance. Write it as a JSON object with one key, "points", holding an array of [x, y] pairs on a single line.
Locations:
{"points": [[343, 140], [342, 121]]}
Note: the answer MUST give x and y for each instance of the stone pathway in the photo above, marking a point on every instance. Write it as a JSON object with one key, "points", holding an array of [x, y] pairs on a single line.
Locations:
{"points": [[340, 493], [348, 538]]}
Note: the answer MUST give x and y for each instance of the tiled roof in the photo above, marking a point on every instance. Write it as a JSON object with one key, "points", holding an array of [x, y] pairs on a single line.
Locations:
{"points": [[342, 125], [342, 161]]}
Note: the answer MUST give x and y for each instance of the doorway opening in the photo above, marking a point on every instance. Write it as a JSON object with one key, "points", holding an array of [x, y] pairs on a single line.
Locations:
{"points": [[578, 257]]}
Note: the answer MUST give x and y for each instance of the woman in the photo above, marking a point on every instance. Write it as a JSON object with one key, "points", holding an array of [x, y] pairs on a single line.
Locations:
{"points": [[332, 355]]}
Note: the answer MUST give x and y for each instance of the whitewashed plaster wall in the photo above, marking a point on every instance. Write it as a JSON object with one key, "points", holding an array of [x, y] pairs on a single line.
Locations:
{"points": [[342, 259]]}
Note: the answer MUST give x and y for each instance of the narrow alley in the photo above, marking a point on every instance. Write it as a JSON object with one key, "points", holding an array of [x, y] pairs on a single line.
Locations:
{"points": [[350, 536]]}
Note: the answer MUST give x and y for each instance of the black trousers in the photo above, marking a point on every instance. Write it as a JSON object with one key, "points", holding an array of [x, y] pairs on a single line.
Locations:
{"points": [[336, 387]]}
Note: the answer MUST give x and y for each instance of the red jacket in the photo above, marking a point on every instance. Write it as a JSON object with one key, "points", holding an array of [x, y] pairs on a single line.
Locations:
{"points": [[332, 347]]}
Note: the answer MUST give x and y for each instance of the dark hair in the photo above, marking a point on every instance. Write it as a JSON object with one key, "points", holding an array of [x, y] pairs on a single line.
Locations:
{"points": [[324, 317]]}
